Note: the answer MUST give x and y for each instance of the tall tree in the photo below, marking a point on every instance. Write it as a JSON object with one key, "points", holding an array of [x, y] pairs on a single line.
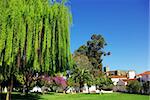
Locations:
{"points": [[34, 37], [94, 50], [82, 61]]}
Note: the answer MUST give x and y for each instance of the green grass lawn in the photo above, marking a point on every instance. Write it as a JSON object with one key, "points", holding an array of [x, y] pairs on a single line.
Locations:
{"points": [[114, 96]]}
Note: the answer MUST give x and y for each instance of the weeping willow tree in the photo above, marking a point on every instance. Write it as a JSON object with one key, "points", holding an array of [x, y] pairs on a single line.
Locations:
{"points": [[34, 36]]}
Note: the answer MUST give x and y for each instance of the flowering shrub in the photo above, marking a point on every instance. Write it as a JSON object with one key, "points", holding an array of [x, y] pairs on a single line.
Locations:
{"points": [[60, 81], [56, 83]]}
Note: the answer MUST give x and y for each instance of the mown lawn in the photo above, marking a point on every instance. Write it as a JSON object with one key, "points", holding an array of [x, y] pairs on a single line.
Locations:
{"points": [[54, 96], [114, 96]]}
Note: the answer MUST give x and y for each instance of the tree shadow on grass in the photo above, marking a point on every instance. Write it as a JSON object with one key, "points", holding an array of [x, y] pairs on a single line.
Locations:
{"points": [[22, 97], [51, 93]]}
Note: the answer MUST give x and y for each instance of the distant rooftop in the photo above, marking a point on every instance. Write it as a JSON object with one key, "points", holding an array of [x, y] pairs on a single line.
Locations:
{"points": [[145, 73], [117, 76]]}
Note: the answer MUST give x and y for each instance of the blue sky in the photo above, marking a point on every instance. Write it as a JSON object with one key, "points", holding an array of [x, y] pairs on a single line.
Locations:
{"points": [[124, 25]]}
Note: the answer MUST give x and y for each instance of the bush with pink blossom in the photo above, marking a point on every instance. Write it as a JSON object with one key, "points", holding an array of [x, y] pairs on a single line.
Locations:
{"points": [[55, 83]]}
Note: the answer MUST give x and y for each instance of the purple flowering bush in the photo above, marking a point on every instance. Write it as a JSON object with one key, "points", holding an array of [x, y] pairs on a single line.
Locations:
{"points": [[55, 83], [60, 81]]}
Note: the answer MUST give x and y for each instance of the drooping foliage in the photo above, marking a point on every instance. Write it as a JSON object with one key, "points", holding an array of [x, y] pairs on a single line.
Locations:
{"points": [[34, 34]]}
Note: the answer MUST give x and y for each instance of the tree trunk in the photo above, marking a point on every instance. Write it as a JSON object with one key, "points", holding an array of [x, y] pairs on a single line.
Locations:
{"points": [[88, 90], [27, 87], [80, 87], [8, 95], [24, 89], [96, 86], [9, 89], [0, 92]]}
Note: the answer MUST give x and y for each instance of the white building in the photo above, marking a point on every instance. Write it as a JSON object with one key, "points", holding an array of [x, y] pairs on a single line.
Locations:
{"points": [[91, 89], [115, 79], [131, 74], [36, 89], [144, 77]]}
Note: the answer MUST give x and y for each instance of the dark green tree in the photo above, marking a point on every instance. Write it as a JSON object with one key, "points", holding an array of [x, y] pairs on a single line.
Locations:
{"points": [[146, 87], [94, 50], [134, 86], [103, 82], [82, 62]]}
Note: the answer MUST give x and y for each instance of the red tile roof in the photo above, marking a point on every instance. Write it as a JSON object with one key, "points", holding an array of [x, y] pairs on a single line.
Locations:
{"points": [[126, 80], [116, 76], [145, 73]]}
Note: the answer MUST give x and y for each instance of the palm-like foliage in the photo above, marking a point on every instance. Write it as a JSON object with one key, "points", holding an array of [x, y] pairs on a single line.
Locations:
{"points": [[80, 76]]}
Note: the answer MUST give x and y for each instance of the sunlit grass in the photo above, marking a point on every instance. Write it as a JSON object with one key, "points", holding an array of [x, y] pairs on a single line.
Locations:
{"points": [[114, 96], [61, 96]]}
